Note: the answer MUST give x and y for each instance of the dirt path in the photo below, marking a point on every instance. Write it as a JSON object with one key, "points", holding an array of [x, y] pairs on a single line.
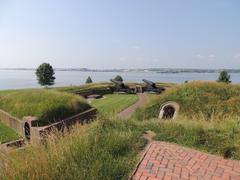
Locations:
{"points": [[127, 113], [163, 160]]}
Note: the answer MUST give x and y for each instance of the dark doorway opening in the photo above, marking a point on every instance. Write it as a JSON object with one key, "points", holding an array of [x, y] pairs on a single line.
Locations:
{"points": [[27, 131], [168, 112]]}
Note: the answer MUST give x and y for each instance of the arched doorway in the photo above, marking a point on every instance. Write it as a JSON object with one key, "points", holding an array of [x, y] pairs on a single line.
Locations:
{"points": [[168, 112], [27, 131]]}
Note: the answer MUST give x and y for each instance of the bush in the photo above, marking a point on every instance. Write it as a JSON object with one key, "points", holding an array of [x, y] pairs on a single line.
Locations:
{"points": [[224, 77], [89, 80]]}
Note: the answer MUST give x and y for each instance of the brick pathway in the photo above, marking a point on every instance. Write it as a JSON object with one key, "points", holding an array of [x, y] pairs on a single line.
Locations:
{"points": [[127, 113], [170, 161]]}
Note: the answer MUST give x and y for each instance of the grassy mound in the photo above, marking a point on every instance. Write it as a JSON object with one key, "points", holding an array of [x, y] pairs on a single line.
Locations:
{"points": [[7, 134], [205, 99], [46, 105]]}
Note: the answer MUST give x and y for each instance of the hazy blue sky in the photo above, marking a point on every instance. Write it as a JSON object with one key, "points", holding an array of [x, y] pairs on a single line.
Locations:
{"points": [[120, 33]]}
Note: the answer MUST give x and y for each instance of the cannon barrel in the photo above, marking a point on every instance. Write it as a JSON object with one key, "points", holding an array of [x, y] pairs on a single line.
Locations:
{"points": [[119, 83], [149, 82]]}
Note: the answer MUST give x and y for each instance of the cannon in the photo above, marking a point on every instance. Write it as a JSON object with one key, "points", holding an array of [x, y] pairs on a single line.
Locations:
{"points": [[150, 84], [118, 84], [120, 87], [151, 87]]}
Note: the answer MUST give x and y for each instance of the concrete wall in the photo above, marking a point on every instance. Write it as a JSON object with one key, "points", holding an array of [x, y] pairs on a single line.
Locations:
{"points": [[96, 91], [12, 122], [39, 133]]}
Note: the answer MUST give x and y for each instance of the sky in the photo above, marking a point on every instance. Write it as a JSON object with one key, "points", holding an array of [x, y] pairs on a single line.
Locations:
{"points": [[105, 34]]}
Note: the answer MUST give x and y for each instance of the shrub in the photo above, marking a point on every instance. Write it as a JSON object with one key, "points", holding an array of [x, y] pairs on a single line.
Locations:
{"points": [[89, 80], [224, 77]]}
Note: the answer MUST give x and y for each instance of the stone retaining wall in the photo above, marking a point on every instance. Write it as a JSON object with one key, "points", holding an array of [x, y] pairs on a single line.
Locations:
{"points": [[39, 133], [12, 122], [96, 91]]}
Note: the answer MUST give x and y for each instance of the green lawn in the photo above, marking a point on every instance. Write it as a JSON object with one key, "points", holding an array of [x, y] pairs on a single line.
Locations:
{"points": [[7, 134], [114, 103]]}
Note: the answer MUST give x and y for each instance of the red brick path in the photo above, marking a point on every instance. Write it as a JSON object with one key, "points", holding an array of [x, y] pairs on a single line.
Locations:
{"points": [[169, 161], [127, 113]]}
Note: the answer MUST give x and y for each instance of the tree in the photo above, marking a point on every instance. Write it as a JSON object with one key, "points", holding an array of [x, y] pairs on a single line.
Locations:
{"points": [[118, 78], [89, 80], [224, 77], [45, 74]]}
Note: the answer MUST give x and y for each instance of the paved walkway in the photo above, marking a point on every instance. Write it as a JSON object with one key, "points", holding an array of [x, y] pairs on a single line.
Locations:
{"points": [[127, 113], [170, 161]]}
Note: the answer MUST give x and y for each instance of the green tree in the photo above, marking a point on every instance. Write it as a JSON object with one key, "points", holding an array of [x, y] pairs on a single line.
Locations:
{"points": [[118, 78], [45, 74], [89, 80], [224, 77]]}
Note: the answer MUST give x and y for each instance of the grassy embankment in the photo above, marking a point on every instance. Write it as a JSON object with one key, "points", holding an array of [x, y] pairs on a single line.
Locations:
{"points": [[7, 134], [209, 117], [47, 105], [93, 88], [206, 100], [112, 104], [107, 149]]}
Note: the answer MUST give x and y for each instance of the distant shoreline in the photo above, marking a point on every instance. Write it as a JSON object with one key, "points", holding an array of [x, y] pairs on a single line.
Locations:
{"points": [[156, 70]]}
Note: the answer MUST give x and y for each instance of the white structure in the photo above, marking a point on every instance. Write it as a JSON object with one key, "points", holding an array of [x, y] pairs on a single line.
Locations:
{"points": [[169, 110]]}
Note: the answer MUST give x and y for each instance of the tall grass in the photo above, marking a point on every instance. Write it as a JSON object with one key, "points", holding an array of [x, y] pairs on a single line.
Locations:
{"points": [[213, 137], [103, 150], [107, 149], [46, 105], [204, 99]]}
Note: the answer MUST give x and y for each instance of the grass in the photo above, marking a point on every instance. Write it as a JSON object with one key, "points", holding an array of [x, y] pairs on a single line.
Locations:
{"points": [[46, 105], [99, 88], [203, 99], [105, 149], [7, 134], [220, 139], [94, 88], [112, 104], [108, 148]]}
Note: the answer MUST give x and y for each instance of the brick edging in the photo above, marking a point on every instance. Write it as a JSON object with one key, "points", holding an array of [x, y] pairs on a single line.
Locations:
{"points": [[142, 155]]}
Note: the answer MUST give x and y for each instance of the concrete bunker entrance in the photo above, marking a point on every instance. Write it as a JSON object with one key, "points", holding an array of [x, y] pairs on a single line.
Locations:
{"points": [[169, 110], [27, 131]]}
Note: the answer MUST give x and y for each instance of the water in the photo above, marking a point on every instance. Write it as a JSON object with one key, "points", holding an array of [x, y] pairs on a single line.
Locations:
{"points": [[12, 79]]}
